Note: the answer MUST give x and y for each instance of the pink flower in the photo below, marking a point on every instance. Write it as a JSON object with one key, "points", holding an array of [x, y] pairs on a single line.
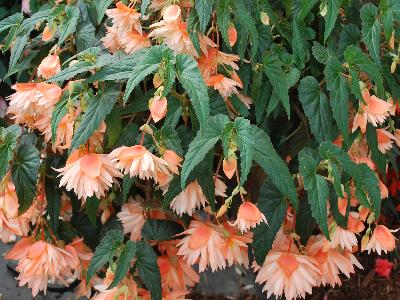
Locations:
{"points": [[138, 161], [383, 267], [225, 86], [132, 41], [289, 274], [158, 108], [249, 216], [232, 35], [381, 239], [47, 34], [173, 31], [376, 109], [49, 66], [220, 187], [25, 6], [88, 174], [385, 140], [132, 218], [344, 238], [203, 244], [189, 200], [229, 166], [173, 159], [235, 249], [125, 18], [111, 40], [8, 199]]}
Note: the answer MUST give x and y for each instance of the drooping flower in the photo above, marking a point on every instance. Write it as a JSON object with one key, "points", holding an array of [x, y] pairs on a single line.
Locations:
{"points": [[385, 140], [381, 239], [383, 267], [158, 108], [289, 274], [40, 261], [132, 218], [49, 66], [138, 161], [173, 159], [204, 244], [220, 187], [189, 200], [249, 216], [125, 18], [225, 86], [330, 260], [132, 41], [229, 166], [88, 174], [47, 34], [111, 39], [235, 249], [343, 237], [173, 31], [8, 199], [232, 35]]}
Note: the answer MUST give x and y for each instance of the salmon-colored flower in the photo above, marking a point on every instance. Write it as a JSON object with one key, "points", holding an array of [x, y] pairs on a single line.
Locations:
{"points": [[385, 140], [111, 39], [47, 34], [125, 18], [289, 274], [173, 159], [49, 66], [232, 35], [173, 31], [249, 216], [383, 189], [235, 249], [381, 239], [138, 161], [203, 244], [132, 41], [397, 135], [209, 61], [40, 262], [330, 260], [343, 237], [220, 187], [225, 86], [189, 200], [229, 166], [158, 108], [376, 109], [88, 174], [8, 199], [132, 218]]}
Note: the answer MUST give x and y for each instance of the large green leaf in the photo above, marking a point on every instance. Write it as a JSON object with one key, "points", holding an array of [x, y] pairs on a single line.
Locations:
{"points": [[203, 142], [272, 164], [189, 76], [160, 230], [277, 78], [11, 21], [104, 252], [29, 24], [101, 6], [147, 267], [316, 107], [124, 262], [317, 189], [24, 174], [85, 36], [371, 30], [331, 16], [246, 142], [223, 19], [273, 205], [204, 11], [17, 49], [99, 107], [297, 45], [70, 21]]}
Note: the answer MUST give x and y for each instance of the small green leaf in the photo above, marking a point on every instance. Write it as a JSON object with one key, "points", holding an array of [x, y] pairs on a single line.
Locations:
{"points": [[101, 6], [223, 19], [114, 127], [24, 174], [68, 26], [316, 107], [297, 46], [246, 142], [85, 36], [321, 53], [8, 138], [104, 252], [204, 11], [160, 230], [273, 205], [143, 6], [317, 189], [53, 203], [92, 205], [17, 49], [99, 107], [147, 267], [371, 30], [189, 76], [333, 7], [11, 21], [124, 262], [59, 111], [29, 24], [127, 183]]}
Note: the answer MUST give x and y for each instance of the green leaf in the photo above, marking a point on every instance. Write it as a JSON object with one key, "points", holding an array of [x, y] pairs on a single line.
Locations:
{"points": [[147, 267], [160, 230], [246, 142], [223, 19], [306, 6], [321, 53], [68, 26], [331, 16], [203, 142], [101, 7], [124, 263], [29, 24], [17, 49], [149, 62], [204, 11], [11, 21], [85, 36], [193, 24], [99, 107], [276, 76], [189, 76], [297, 46], [114, 127], [377, 156], [53, 203], [272, 164], [317, 189], [316, 107], [169, 139], [371, 30], [337, 86], [273, 205], [59, 111], [127, 183], [104, 252], [305, 223], [8, 138], [92, 206], [24, 174], [143, 6]]}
